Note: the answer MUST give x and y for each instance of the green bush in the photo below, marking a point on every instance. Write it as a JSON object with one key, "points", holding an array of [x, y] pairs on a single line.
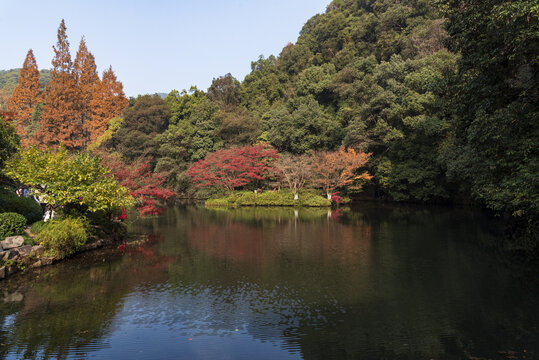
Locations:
{"points": [[275, 198], [269, 198], [313, 200], [38, 227], [222, 202], [28, 240], [11, 224], [64, 237], [27, 207]]}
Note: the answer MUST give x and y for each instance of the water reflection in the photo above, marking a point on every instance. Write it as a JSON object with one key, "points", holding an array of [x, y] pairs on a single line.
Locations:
{"points": [[246, 235], [280, 283]]}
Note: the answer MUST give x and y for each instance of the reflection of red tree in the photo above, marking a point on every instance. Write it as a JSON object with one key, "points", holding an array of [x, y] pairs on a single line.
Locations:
{"points": [[148, 264], [327, 241], [336, 215], [233, 241]]}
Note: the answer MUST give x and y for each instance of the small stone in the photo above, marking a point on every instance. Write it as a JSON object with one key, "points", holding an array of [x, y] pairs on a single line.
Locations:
{"points": [[14, 297], [91, 246], [37, 264], [12, 270], [47, 261], [24, 250], [38, 250], [2, 272], [11, 255], [12, 242]]}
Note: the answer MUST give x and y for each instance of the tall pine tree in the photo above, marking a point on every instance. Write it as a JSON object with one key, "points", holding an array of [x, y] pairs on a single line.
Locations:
{"points": [[60, 122], [109, 101], [26, 96], [87, 80]]}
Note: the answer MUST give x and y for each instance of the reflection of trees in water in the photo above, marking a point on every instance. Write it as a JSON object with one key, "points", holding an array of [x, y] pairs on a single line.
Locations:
{"points": [[70, 306], [386, 283], [263, 236], [380, 283]]}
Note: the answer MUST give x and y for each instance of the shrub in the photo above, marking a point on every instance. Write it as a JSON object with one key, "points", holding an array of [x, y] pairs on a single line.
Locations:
{"points": [[11, 224], [28, 240], [269, 198], [219, 202], [38, 227], [275, 198], [64, 237], [27, 207], [313, 200]]}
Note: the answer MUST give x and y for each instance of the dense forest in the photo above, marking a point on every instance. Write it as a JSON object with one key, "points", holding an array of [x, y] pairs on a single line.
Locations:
{"points": [[442, 94]]}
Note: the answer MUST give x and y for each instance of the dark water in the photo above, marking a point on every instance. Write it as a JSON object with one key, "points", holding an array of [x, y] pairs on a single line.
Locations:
{"points": [[370, 283]]}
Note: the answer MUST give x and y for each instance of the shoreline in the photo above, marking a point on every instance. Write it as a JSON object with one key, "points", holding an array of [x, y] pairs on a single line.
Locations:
{"points": [[21, 260]]}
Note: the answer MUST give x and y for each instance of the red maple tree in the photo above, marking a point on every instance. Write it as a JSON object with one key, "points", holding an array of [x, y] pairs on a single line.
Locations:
{"points": [[235, 167], [145, 185]]}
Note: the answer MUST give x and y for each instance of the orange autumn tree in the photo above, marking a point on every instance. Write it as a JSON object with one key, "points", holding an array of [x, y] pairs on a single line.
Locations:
{"points": [[60, 122], [87, 79], [337, 169], [108, 102], [26, 96]]}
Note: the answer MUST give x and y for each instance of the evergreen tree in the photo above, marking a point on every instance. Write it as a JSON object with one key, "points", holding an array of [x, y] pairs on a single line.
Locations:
{"points": [[108, 101], [9, 141], [87, 79], [493, 147], [142, 123], [25, 98], [60, 122]]}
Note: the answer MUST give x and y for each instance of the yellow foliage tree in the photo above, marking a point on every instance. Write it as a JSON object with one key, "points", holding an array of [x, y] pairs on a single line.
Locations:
{"points": [[338, 169]]}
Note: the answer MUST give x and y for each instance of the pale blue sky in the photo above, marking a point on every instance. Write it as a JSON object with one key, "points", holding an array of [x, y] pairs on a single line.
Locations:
{"points": [[159, 45]]}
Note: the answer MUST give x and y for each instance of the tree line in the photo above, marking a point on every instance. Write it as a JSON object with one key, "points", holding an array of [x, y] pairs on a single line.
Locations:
{"points": [[75, 106], [260, 166]]}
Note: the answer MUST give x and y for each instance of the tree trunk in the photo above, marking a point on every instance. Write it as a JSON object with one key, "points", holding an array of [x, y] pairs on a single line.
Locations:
{"points": [[296, 196]]}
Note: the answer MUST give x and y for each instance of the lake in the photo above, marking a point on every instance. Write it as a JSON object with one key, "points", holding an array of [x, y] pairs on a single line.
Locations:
{"points": [[372, 282]]}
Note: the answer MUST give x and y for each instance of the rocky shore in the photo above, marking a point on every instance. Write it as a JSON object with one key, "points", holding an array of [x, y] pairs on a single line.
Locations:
{"points": [[15, 256]]}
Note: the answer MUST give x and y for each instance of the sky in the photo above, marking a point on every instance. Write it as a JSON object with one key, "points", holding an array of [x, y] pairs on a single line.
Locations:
{"points": [[159, 45]]}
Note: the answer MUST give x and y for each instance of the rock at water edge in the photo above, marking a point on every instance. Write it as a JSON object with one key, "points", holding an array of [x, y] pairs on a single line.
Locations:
{"points": [[24, 250], [38, 250], [12, 242]]}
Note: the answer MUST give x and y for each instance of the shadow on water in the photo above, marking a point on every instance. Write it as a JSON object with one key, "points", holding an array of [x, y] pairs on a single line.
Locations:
{"points": [[373, 282]]}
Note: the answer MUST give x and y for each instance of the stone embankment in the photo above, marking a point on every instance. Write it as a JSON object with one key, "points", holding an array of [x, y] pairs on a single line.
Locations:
{"points": [[15, 256]]}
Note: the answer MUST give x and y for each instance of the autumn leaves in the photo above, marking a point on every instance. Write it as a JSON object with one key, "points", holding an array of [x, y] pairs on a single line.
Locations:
{"points": [[75, 107], [260, 165]]}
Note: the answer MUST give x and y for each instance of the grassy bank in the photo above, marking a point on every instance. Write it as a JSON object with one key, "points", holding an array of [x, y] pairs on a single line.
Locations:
{"points": [[268, 198]]}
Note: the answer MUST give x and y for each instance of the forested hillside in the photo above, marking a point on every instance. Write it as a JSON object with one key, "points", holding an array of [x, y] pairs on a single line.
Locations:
{"points": [[371, 75], [443, 118]]}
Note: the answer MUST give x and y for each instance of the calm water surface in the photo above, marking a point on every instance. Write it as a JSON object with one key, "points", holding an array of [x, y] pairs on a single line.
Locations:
{"points": [[375, 282]]}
